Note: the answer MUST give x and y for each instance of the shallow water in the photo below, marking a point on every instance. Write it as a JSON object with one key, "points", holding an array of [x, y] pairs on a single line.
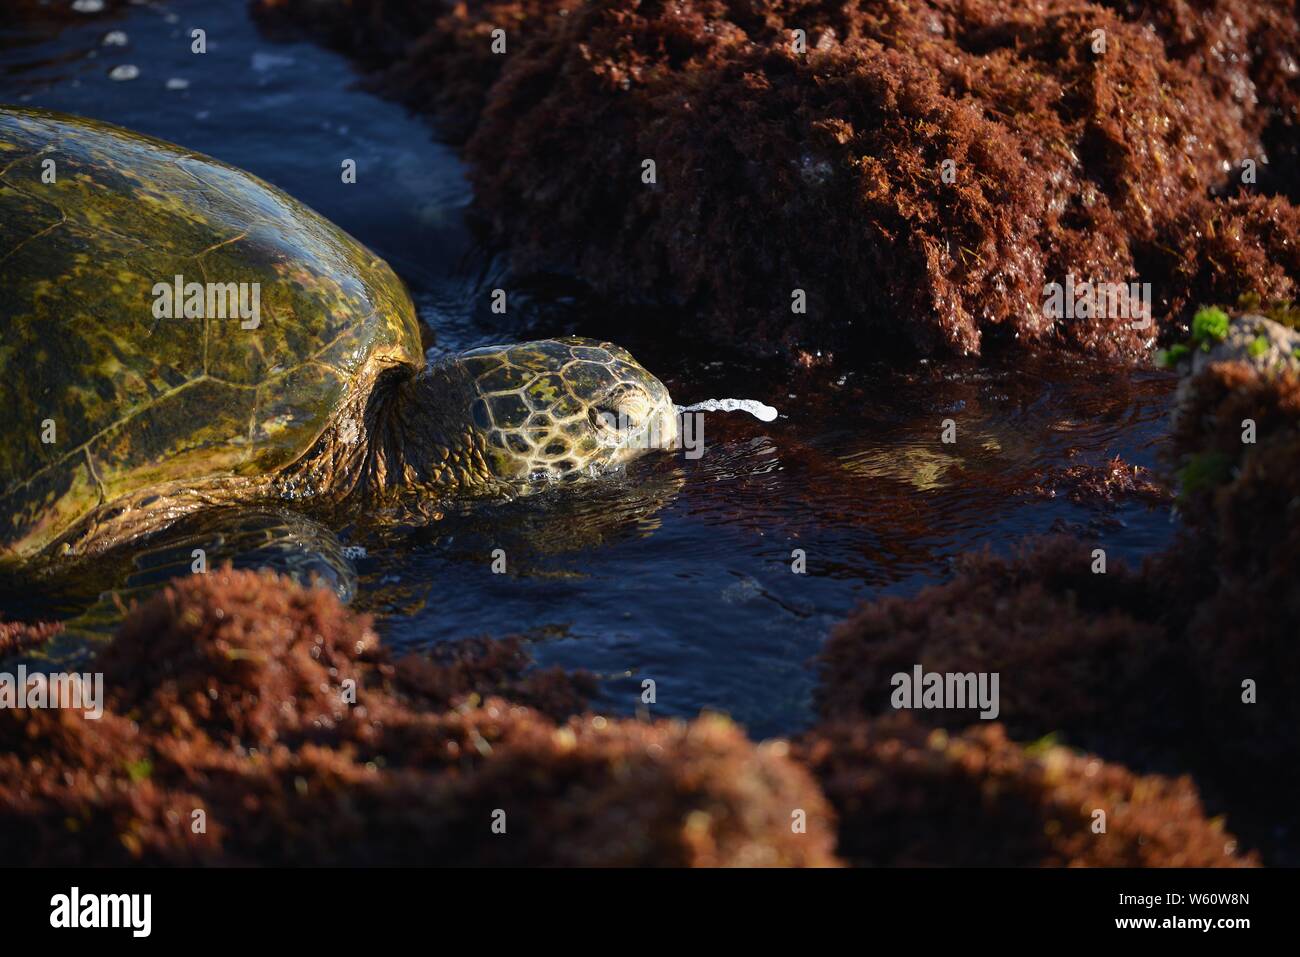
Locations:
{"points": [[678, 570]]}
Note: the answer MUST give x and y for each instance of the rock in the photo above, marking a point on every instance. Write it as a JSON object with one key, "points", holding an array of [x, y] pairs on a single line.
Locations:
{"points": [[910, 796], [17, 637], [1266, 346], [1236, 446], [1189, 663], [268, 712], [916, 176], [1052, 628]]}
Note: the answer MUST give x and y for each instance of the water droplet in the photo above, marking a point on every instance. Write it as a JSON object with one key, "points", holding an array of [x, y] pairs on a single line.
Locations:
{"points": [[126, 71], [764, 413]]}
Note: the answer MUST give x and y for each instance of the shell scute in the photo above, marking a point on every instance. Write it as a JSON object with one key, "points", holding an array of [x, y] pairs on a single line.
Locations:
{"points": [[507, 378], [137, 394], [509, 410]]}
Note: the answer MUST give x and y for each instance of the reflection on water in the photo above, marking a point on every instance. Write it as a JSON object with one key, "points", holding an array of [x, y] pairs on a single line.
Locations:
{"points": [[675, 569]]}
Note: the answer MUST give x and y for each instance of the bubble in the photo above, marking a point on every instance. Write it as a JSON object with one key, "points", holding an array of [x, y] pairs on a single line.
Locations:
{"points": [[764, 413]]}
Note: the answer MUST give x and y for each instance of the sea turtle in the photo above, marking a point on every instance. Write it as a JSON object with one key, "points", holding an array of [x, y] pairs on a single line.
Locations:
{"points": [[178, 337]]}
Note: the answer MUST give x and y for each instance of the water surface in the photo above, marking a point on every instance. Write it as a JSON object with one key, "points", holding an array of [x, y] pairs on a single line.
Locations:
{"points": [[677, 570]]}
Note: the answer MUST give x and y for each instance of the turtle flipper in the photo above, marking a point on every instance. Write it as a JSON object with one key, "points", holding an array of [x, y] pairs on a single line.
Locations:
{"points": [[282, 541]]}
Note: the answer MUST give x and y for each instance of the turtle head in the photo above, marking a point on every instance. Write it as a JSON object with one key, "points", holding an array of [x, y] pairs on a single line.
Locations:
{"points": [[557, 409]]}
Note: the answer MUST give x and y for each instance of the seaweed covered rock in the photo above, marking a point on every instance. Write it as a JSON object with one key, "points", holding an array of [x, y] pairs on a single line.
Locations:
{"points": [[870, 176], [483, 667], [17, 637], [1220, 250], [1236, 449], [78, 792], [824, 170], [494, 783], [1077, 653], [1178, 668], [249, 720], [909, 795], [239, 656], [1247, 659], [1237, 445], [598, 792], [1246, 54]]}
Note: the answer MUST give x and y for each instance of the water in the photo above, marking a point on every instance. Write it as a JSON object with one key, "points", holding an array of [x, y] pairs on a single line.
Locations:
{"points": [[678, 570]]}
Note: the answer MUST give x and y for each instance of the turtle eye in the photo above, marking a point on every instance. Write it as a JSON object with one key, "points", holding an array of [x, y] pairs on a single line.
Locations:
{"points": [[610, 412], [623, 407], [604, 417], [613, 422]]}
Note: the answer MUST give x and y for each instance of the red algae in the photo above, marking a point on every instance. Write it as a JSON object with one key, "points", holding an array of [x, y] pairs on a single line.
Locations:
{"points": [[911, 796], [1080, 654], [1103, 486], [1241, 494], [249, 720], [663, 794], [1240, 500], [822, 171], [910, 178], [1246, 53], [239, 658], [487, 667], [1224, 249], [17, 637]]}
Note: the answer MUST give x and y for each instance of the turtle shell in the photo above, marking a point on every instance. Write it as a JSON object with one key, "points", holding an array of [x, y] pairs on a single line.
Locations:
{"points": [[107, 387]]}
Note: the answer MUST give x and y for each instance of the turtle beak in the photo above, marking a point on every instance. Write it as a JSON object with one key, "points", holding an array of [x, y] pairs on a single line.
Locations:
{"points": [[666, 423]]}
